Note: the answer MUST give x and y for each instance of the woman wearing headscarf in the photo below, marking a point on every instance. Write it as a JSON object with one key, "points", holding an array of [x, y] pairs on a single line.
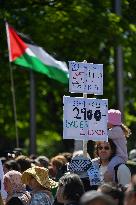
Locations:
{"points": [[16, 192], [40, 183]]}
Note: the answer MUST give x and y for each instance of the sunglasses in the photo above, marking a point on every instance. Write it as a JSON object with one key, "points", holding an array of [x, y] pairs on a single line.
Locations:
{"points": [[105, 148]]}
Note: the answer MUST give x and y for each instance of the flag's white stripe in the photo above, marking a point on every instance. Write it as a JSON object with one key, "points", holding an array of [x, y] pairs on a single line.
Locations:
{"points": [[46, 58], [8, 40], [29, 52]]}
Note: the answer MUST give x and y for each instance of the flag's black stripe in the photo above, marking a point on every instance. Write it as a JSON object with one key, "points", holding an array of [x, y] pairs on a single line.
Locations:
{"points": [[25, 38]]}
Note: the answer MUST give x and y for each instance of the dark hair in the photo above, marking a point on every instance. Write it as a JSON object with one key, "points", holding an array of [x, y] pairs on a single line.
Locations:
{"points": [[58, 161], [14, 201], [67, 155], [94, 196], [112, 190], [24, 162], [11, 165], [42, 161], [113, 148], [73, 187]]}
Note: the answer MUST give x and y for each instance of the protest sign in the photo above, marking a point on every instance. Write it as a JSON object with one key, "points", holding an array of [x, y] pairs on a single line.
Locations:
{"points": [[94, 175], [85, 118], [85, 78]]}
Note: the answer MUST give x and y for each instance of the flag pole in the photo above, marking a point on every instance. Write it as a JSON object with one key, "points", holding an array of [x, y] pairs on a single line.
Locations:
{"points": [[32, 114], [14, 103], [85, 141], [12, 88]]}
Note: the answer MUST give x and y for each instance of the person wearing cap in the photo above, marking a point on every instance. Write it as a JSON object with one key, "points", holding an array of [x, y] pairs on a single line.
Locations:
{"points": [[40, 183], [96, 198], [118, 132]]}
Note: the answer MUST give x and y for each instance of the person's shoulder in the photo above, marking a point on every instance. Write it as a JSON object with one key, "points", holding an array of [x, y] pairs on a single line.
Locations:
{"points": [[40, 195], [117, 128], [123, 167], [95, 160], [123, 175]]}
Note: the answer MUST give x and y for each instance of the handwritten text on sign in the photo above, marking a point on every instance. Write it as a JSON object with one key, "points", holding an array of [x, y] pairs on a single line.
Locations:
{"points": [[86, 78], [85, 118]]}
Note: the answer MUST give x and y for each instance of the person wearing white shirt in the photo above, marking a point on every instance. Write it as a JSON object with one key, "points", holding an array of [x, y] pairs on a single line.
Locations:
{"points": [[105, 151]]}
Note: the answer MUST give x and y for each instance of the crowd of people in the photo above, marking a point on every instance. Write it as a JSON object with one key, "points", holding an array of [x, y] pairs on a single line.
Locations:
{"points": [[73, 178]]}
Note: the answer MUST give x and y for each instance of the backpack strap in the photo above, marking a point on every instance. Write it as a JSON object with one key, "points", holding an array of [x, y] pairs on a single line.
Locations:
{"points": [[116, 171]]}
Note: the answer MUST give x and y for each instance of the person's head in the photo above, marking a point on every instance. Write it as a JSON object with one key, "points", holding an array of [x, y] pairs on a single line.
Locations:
{"points": [[17, 151], [70, 188], [10, 165], [79, 165], [79, 153], [105, 150], [56, 163], [67, 155], [112, 190], [132, 154], [24, 163], [3, 160], [42, 161], [37, 177], [12, 182], [32, 157], [114, 118], [15, 201], [96, 198]]}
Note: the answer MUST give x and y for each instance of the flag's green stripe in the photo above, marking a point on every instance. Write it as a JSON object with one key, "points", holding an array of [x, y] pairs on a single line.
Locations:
{"points": [[34, 63]]}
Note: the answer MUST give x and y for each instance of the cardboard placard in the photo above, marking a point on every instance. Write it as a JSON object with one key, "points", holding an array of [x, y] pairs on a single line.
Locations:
{"points": [[85, 78], [85, 118]]}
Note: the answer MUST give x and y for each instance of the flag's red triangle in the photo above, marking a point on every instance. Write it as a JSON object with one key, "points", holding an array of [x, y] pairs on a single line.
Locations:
{"points": [[17, 46]]}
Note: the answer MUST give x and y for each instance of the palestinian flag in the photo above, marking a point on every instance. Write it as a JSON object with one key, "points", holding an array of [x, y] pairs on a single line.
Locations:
{"points": [[34, 57]]}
